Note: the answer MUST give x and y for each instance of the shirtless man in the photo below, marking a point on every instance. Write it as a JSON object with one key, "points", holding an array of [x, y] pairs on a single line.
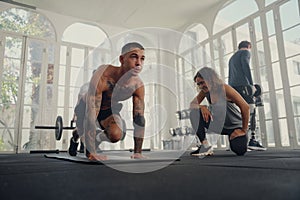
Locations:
{"points": [[109, 85]]}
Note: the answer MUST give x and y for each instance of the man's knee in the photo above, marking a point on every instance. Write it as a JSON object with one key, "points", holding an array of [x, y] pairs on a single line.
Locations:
{"points": [[115, 131], [115, 135]]}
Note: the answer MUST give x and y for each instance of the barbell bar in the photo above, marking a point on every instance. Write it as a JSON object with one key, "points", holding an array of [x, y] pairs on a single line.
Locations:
{"points": [[58, 127]]}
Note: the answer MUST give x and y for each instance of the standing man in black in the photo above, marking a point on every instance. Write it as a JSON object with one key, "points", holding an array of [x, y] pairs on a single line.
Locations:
{"points": [[240, 79]]}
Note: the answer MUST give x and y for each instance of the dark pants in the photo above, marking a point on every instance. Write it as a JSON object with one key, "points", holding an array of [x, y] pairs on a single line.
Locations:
{"points": [[200, 126]]}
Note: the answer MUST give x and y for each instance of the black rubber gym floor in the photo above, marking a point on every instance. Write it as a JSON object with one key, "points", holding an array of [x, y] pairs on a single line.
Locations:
{"points": [[272, 174]]}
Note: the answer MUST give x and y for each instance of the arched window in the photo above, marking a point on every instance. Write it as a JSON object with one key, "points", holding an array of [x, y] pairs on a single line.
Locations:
{"points": [[192, 50], [27, 23], [84, 34], [233, 12], [26, 74], [200, 32], [81, 53]]}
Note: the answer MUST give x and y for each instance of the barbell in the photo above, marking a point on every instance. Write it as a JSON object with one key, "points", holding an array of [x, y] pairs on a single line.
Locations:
{"points": [[58, 127]]}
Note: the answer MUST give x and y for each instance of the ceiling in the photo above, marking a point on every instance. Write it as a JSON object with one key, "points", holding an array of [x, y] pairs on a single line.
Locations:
{"points": [[130, 14]]}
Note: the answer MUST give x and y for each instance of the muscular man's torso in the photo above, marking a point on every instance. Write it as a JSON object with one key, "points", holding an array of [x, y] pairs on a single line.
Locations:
{"points": [[117, 88]]}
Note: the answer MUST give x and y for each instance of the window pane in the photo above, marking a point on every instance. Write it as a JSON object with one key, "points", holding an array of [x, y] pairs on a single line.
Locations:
{"points": [[293, 67], [60, 99], [201, 57], [264, 78], [186, 63], [50, 92], [229, 15], [267, 106], [51, 54], [295, 93], [284, 132], [207, 51], [94, 60], [13, 47], [270, 23], [291, 39], [62, 75], [76, 76], [270, 133], [10, 75], [226, 61], [216, 48], [72, 98], [63, 55], [217, 67], [280, 103], [258, 32], [242, 33], [227, 43], [268, 2], [297, 124], [201, 32], [273, 48], [261, 54], [27, 23], [84, 34], [289, 14], [77, 57], [277, 75]]}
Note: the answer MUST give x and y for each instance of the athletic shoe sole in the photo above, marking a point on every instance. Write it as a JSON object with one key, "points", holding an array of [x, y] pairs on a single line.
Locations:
{"points": [[208, 153], [257, 148]]}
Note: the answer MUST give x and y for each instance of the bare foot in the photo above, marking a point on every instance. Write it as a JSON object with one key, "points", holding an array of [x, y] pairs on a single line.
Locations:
{"points": [[137, 156]]}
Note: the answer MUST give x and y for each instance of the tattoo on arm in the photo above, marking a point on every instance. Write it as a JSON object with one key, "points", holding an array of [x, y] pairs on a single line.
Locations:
{"points": [[93, 104], [139, 124]]}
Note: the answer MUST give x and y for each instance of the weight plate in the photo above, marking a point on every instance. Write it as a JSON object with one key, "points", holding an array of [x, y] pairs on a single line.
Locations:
{"points": [[59, 127]]}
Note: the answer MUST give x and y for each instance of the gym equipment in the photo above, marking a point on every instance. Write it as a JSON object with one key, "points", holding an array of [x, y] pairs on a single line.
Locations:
{"points": [[181, 131], [122, 158], [57, 151], [58, 127], [183, 114], [257, 95]]}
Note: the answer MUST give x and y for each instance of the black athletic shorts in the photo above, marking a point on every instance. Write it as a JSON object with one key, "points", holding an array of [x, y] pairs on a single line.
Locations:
{"points": [[102, 115]]}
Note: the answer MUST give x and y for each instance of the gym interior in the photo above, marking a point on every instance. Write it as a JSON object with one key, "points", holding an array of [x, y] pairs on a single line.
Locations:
{"points": [[49, 49]]}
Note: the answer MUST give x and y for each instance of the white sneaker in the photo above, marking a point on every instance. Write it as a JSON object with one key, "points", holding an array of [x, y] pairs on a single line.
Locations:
{"points": [[203, 151]]}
